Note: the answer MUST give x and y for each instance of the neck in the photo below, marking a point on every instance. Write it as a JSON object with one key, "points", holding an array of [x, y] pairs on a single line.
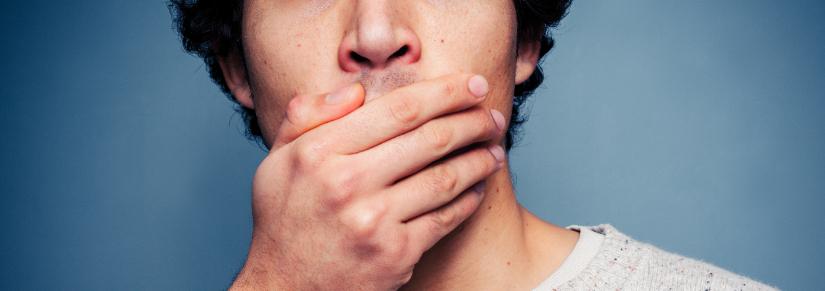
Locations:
{"points": [[500, 247]]}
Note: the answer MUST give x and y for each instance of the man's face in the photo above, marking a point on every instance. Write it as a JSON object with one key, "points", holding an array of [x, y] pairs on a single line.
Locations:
{"points": [[296, 47]]}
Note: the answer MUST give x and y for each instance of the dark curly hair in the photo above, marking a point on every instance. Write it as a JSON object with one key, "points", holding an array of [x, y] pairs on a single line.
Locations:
{"points": [[212, 28]]}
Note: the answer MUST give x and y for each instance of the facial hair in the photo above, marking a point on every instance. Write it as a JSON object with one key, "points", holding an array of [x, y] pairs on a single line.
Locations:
{"points": [[378, 84]]}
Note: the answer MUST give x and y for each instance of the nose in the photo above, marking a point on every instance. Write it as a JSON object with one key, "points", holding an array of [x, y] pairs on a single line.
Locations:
{"points": [[377, 39]]}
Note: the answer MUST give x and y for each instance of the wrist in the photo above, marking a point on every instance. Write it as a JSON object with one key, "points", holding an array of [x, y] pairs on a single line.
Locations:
{"points": [[259, 271]]}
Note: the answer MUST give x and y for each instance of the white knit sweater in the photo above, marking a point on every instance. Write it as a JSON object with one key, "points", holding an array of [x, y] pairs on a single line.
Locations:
{"points": [[622, 263]]}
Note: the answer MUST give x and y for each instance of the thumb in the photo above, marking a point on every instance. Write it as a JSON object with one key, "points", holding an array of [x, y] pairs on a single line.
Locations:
{"points": [[305, 112]]}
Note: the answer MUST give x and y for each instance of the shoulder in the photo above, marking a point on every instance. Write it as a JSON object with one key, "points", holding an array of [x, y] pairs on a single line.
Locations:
{"points": [[624, 263]]}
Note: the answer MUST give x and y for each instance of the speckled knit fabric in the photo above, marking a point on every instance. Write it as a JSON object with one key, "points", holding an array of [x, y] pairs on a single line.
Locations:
{"points": [[625, 264]]}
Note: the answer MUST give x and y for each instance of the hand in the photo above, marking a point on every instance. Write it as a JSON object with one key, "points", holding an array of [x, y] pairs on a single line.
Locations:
{"points": [[350, 197]]}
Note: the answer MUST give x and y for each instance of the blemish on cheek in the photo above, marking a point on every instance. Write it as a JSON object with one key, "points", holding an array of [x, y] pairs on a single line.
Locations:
{"points": [[298, 45], [508, 263], [442, 40]]}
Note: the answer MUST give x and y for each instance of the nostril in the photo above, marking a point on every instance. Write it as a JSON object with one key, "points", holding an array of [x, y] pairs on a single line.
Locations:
{"points": [[358, 58], [400, 52], [362, 60]]}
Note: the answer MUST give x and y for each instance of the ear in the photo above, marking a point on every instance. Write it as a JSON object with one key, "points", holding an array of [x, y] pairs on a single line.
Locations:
{"points": [[526, 60], [233, 68]]}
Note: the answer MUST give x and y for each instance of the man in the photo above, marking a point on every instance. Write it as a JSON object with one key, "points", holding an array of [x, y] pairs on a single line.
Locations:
{"points": [[397, 176]]}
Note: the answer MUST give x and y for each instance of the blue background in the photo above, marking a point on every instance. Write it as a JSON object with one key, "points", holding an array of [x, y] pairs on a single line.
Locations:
{"points": [[694, 125]]}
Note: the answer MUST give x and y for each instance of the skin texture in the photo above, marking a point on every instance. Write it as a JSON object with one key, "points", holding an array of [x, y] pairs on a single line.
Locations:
{"points": [[367, 191], [295, 47]]}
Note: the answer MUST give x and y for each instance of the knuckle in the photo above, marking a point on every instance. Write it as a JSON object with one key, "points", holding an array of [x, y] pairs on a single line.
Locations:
{"points": [[447, 89], [438, 138], [403, 270], [364, 222], [308, 155], [487, 161], [486, 125], [337, 198], [405, 278], [442, 220], [489, 124], [341, 187], [443, 179], [405, 110], [408, 265], [293, 111]]}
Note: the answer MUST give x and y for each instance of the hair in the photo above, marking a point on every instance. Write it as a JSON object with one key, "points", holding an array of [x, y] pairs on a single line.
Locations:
{"points": [[212, 28]]}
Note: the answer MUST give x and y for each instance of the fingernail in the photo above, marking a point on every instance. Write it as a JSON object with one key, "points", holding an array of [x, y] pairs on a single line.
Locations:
{"points": [[480, 187], [497, 152], [339, 95], [478, 86], [498, 118]]}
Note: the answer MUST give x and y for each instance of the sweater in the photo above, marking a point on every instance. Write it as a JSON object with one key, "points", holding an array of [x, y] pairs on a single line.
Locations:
{"points": [[618, 262]]}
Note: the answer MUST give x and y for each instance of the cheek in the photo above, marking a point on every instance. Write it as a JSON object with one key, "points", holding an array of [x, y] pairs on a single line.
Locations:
{"points": [[284, 60], [484, 44]]}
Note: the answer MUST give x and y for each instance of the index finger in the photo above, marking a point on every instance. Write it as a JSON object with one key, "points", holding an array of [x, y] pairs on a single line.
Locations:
{"points": [[402, 110]]}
